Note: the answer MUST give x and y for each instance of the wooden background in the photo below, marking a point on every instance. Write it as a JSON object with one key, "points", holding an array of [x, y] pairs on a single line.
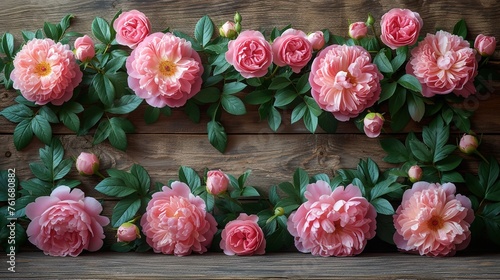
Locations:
{"points": [[173, 141]]}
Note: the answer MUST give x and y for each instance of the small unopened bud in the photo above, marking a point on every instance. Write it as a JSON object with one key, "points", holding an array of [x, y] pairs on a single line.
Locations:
{"points": [[237, 27], [127, 232], [415, 173], [468, 144], [279, 211], [228, 30], [237, 17], [358, 30], [370, 20], [87, 164], [372, 124]]}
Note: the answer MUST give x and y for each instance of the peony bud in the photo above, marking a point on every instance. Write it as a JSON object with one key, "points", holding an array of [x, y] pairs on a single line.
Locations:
{"points": [[370, 20], [358, 30], [87, 164], [127, 232], [237, 17], [228, 30], [84, 48], [468, 144], [373, 123], [485, 45], [415, 173], [317, 40], [279, 211], [217, 182]]}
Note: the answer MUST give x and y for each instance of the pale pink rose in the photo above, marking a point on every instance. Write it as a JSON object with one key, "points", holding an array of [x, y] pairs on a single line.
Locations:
{"points": [[432, 220], [415, 173], [317, 40], [468, 144], [485, 45], [131, 28], [87, 163], [176, 222], [164, 70], [400, 27], [243, 237], [444, 63], [358, 30], [84, 48], [127, 232], [372, 124], [217, 182], [344, 81], [250, 54], [66, 223], [332, 223], [228, 30], [292, 48], [46, 72]]}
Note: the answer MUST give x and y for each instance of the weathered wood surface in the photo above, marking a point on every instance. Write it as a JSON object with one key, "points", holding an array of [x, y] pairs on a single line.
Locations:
{"points": [[173, 141], [272, 266]]}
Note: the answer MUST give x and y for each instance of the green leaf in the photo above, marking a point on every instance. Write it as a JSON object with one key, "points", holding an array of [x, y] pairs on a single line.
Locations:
{"points": [[65, 22], [460, 29], [115, 64], [42, 129], [194, 44], [250, 192], [449, 163], [385, 187], [40, 171], [373, 171], [328, 122], [104, 89], [62, 169], [204, 30], [233, 105], [70, 120], [125, 210], [52, 155], [388, 91], [17, 112], [310, 121], [90, 117], [396, 151], [117, 136], [259, 97], [274, 119], [142, 176], [313, 106], [151, 114], [493, 192], [303, 85], [48, 114], [397, 100], [8, 45], [114, 187], [383, 63], [125, 104], [233, 87], [284, 97], [279, 83], [472, 183], [452, 176], [382, 206], [420, 151], [416, 107], [410, 82], [101, 30], [400, 57], [102, 132], [298, 112], [208, 95], [300, 180], [51, 31], [190, 177], [217, 135]]}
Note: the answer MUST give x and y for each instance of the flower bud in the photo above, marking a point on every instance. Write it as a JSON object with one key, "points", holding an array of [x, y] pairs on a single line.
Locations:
{"points": [[485, 45], [127, 232], [415, 173], [279, 211], [217, 182], [373, 124], [228, 30], [87, 164], [237, 27], [237, 17], [370, 20], [317, 40], [84, 48], [358, 30], [468, 144]]}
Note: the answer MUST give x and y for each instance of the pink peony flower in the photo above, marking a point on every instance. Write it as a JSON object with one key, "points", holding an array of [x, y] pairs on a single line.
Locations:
{"points": [[217, 182], [176, 222], [243, 237], [87, 163], [372, 124], [344, 81], [444, 63], [228, 30], [432, 220], [127, 232], [84, 48], [250, 54], [131, 28], [164, 70], [485, 45], [468, 144], [415, 173], [400, 27], [358, 30], [46, 72], [317, 40], [337, 223], [66, 223], [292, 48]]}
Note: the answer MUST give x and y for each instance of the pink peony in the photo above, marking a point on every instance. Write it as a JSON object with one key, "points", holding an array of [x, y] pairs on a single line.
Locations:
{"points": [[87, 163], [250, 54], [372, 124], [84, 48], [243, 237], [400, 27], [317, 40], [228, 30], [127, 232], [292, 48], [344, 81], [66, 223], [131, 28], [176, 222], [358, 30], [217, 182], [485, 45], [164, 70], [444, 63], [46, 72], [337, 223], [432, 220]]}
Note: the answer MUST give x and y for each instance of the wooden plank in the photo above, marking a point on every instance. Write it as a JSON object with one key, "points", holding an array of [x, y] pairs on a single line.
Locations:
{"points": [[109, 265]]}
